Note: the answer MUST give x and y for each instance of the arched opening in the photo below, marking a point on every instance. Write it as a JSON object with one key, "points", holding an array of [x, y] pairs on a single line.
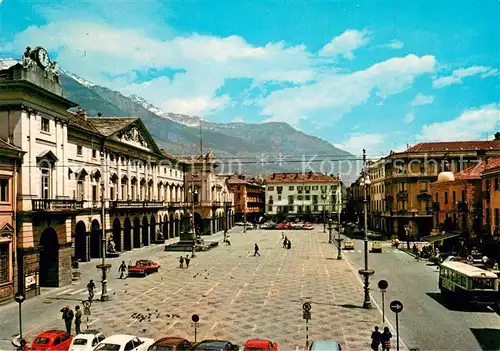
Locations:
{"points": [[171, 224], [145, 231], [81, 252], [117, 234], [213, 225], [95, 240], [127, 237], [197, 223], [177, 225], [152, 229], [166, 235], [49, 258], [137, 233]]}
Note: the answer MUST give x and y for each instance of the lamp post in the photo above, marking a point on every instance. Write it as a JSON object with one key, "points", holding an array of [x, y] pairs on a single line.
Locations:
{"points": [[103, 266], [193, 191], [366, 272], [245, 219], [330, 228], [339, 207]]}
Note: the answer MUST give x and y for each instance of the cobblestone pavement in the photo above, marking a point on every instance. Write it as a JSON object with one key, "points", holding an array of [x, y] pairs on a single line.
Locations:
{"points": [[239, 296]]}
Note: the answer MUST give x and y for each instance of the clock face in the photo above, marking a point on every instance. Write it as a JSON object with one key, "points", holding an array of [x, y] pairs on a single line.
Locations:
{"points": [[43, 57]]}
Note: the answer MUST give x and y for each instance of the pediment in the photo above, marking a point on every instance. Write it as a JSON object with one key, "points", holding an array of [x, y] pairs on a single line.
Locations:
{"points": [[7, 230], [137, 135]]}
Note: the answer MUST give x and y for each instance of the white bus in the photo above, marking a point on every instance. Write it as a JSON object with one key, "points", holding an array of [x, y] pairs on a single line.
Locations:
{"points": [[468, 284]]}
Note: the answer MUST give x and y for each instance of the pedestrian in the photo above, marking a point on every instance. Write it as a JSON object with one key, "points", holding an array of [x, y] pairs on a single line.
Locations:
{"points": [[288, 244], [187, 259], [78, 320], [90, 288], [67, 316], [282, 235], [256, 250], [285, 242], [385, 339], [122, 269], [376, 336], [181, 262], [417, 255], [495, 266]]}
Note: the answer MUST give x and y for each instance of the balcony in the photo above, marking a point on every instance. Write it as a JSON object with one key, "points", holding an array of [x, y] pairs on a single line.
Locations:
{"points": [[46, 205], [216, 204], [175, 204], [137, 204], [228, 204]]}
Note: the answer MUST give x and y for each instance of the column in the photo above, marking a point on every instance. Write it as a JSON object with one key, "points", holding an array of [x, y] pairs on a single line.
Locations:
{"points": [[155, 183], [129, 181], [167, 192], [57, 167], [64, 158], [118, 184]]}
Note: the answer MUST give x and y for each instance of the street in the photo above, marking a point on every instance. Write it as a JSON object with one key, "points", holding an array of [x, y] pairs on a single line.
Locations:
{"points": [[237, 296], [425, 323]]}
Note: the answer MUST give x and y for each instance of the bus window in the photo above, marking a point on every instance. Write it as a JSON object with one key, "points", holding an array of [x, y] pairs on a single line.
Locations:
{"points": [[482, 284]]}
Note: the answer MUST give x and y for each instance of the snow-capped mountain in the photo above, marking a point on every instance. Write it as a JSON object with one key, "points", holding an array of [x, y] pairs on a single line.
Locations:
{"points": [[79, 79], [6, 63], [189, 121]]}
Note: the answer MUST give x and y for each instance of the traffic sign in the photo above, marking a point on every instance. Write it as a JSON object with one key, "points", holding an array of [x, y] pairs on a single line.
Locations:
{"points": [[306, 315], [19, 297], [306, 306], [86, 304], [396, 306], [382, 284], [86, 311], [195, 318]]}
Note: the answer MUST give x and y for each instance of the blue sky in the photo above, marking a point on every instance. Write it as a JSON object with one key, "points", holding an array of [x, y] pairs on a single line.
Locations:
{"points": [[374, 75]]}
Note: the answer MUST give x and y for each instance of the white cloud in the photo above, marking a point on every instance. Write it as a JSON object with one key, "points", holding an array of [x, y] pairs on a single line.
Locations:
{"points": [[421, 100], [345, 44], [359, 141], [409, 117], [393, 44], [457, 75], [239, 119], [470, 125], [338, 94]]}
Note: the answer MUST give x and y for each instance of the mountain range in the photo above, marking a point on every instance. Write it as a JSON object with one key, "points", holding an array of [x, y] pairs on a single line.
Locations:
{"points": [[240, 147]]}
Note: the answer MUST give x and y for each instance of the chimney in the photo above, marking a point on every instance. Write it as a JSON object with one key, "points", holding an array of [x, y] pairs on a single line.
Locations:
{"points": [[497, 136]]}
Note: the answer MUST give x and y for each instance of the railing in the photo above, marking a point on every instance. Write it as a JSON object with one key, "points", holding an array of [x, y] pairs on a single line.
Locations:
{"points": [[176, 204], [137, 204], [56, 205], [216, 203]]}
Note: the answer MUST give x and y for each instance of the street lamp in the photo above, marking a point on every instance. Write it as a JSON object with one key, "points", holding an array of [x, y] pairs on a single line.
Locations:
{"points": [[103, 266], [330, 228], [193, 191], [366, 273], [339, 207]]}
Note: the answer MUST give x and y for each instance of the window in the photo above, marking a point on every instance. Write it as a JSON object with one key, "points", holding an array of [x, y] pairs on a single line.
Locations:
{"points": [[279, 189], [497, 217], [79, 150], [496, 183], [4, 190], [299, 197], [4, 263], [307, 187], [299, 188], [80, 190], [308, 197], [170, 172], [315, 208], [315, 187], [270, 188], [164, 170], [279, 197], [270, 209], [112, 158], [94, 153], [454, 196], [291, 187], [437, 197], [94, 193], [46, 180], [445, 197], [45, 126]]}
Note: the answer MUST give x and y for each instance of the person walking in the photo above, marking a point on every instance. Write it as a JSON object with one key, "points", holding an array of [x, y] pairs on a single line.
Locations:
{"points": [[67, 316], [385, 339], [376, 336], [90, 288], [122, 269], [256, 250], [285, 242], [288, 244], [181, 262], [78, 320], [187, 259]]}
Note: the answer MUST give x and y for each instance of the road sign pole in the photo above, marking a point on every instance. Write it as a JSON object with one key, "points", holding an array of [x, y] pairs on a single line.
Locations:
{"points": [[20, 322], [195, 333], [397, 331], [383, 307], [307, 334]]}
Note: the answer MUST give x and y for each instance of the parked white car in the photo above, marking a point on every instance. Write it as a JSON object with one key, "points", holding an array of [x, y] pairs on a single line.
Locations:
{"points": [[122, 342], [86, 341]]}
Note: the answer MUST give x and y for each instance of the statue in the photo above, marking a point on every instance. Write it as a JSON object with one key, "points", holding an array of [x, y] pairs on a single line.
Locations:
{"points": [[111, 246], [210, 155], [27, 61], [55, 71]]}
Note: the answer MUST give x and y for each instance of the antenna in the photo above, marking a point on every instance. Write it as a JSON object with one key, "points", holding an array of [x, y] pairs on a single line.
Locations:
{"points": [[201, 141]]}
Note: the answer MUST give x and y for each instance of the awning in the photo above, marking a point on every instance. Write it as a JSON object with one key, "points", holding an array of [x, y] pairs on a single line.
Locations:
{"points": [[433, 238]]}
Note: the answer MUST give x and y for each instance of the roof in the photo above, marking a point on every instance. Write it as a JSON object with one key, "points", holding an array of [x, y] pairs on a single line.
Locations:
{"points": [[491, 164], [117, 338], [469, 269], [473, 172], [169, 341], [77, 122], [310, 177], [325, 345], [51, 332], [446, 146], [5, 145], [110, 125]]}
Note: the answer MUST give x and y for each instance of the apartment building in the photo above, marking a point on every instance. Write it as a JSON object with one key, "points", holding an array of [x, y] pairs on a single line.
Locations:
{"points": [[376, 195], [249, 197], [309, 196]]}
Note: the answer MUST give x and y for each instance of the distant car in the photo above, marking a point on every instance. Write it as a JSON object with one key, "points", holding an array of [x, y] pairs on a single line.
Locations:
{"points": [[349, 245], [282, 226], [325, 345], [260, 345], [86, 341], [143, 267], [52, 340], [308, 226], [296, 225], [268, 225], [215, 345], [170, 344], [123, 342], [376, 246]]}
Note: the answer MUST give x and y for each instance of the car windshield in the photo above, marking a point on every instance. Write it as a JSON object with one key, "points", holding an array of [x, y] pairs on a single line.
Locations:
{"points": [[80, 341], [483, 283], [42, 341], [108, 347]]}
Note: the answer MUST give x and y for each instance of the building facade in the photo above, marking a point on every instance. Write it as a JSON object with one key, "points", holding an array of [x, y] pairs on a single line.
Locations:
{"points": [[376, 193], [10, 159], [249, 197], [308, 196]]}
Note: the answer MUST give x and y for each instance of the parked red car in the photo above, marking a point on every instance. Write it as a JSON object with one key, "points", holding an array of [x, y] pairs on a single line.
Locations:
{"points": [[283, 226], [52, 340], [143, 267], [260, 345]]}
